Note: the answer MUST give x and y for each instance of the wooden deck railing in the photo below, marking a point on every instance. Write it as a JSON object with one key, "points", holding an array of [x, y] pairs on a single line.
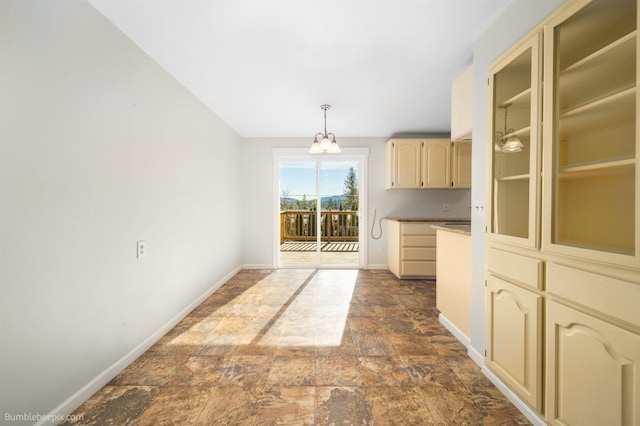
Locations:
{"points": [[301, 225]]}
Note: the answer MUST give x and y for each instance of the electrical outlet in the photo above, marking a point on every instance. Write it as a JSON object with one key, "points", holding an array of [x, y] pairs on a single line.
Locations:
{"points": [[446, 207], [141, 251]]}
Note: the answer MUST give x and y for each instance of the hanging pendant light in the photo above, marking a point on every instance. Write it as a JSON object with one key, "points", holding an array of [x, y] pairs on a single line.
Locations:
{"points": [[325, 142], [512, 142]]}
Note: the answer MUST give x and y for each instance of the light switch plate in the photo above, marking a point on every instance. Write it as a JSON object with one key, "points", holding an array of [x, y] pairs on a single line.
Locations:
{"points": [[478, 208]]}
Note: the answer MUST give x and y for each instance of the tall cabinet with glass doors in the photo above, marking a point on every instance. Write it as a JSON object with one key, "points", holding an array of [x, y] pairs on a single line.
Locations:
{"points": [[563, 239]]}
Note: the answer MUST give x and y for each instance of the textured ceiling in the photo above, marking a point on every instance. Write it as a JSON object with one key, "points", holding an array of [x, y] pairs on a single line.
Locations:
{"points": [[266, 66]]}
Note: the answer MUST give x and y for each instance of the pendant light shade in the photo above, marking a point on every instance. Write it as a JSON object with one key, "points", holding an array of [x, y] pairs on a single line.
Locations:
{"points": [[512, 142], [325, 142]]}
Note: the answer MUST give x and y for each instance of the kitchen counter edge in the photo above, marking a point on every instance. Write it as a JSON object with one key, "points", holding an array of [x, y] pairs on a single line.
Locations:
{"points": [[463, 229], [429, 219]]}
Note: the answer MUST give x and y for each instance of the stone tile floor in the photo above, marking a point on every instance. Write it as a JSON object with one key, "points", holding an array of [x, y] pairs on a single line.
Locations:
{"points": [[302, 347]]}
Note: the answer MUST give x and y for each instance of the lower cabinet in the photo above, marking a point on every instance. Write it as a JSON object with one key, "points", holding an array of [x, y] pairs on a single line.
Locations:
{"points": [[453, 278], [593, 370], [569, 347], [514, 344], [411, 248]]}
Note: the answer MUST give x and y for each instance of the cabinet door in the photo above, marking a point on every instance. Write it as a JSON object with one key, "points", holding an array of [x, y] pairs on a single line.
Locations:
{"points": [[514, 149], [593, 370], [591, 190], [436, 160], [514, 341], [405, 163], [461, 165]]}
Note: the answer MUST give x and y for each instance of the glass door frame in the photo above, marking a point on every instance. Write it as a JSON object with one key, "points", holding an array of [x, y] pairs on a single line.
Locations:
{"points": [[360, 155]]}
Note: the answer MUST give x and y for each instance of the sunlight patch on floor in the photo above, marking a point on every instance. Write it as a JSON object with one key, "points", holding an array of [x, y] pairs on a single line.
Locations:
{"points": [[318, 314], [288, 307]]}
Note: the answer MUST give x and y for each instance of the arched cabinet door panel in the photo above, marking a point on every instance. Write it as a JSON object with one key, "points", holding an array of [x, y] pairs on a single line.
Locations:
{"points": [[593, 370], [514, 317]]}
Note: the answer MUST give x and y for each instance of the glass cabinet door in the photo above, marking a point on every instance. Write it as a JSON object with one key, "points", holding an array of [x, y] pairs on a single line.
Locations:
{"points": [[514, 91], [590, 131]]}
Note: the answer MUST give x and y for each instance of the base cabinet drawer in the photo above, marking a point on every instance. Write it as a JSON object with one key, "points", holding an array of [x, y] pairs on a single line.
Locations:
{"points": [[593, 370], [418, 253], [417, 269], [514, 340], [418, 228], [418, 241]]}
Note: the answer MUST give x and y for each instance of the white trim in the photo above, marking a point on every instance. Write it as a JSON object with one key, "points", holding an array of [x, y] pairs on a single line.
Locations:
{"points": [[74, 401], [275, 209], [475, 356], [257, 266], [361, 155], [527, 411], [377, 266], [303, 152], [454, 330]]}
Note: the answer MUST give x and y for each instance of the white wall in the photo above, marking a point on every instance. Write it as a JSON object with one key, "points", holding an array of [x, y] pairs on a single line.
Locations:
{"points": [[99, 148], [257, 172], [516, 21]]}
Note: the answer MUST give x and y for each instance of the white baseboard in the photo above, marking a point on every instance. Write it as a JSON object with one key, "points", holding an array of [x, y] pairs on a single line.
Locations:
{"points": [[476, 356], [527, 411], [74, 401], [268, 266], [454, 330], [377, 266], [257, 266]]}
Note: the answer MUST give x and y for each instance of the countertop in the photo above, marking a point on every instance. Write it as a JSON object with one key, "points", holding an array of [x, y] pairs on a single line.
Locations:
{"points": [[428, 219], [458, 228]]}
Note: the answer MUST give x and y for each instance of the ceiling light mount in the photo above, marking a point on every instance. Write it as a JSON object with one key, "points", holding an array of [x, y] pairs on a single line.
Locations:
{"points": [[325, 142]]}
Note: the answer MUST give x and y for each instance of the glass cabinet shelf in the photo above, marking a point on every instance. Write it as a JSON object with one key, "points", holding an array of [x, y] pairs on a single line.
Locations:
{"points": [[617, 53], [607, 111], [600, 164], [522, 99], [513, 177], [525, 131], [609, 167]]}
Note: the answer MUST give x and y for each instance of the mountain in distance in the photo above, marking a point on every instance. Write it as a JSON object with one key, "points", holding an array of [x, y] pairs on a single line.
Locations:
{"points": [[334, 198], [323, 199]]}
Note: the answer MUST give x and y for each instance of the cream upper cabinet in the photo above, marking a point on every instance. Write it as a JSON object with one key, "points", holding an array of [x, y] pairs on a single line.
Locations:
{"points": [[514, 91], [436, 163], [403, 164], [462, 106], [590, 133], [461, 165], [422, 164]]}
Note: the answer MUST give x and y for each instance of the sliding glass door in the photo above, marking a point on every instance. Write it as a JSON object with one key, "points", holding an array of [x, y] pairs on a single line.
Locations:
{"points": [[319, 217]]}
